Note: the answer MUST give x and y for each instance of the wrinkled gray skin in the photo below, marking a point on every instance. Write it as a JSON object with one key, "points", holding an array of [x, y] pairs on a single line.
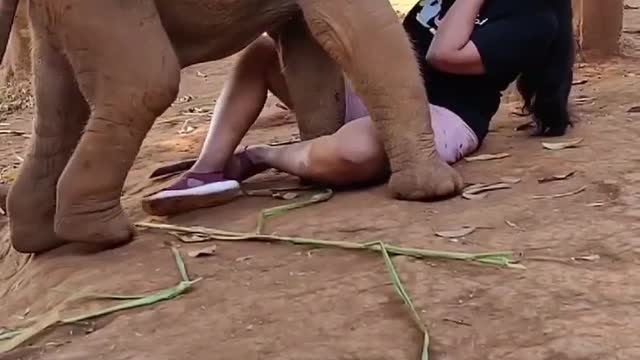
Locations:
{"points": [[104, 70]]}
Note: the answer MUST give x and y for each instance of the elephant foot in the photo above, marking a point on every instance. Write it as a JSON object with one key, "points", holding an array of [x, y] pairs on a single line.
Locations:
{"points": [[33, 238], [30, 217], [106, 228], [32, 233], [429, 180]]}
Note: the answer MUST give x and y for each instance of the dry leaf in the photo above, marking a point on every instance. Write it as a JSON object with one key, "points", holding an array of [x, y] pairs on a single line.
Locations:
{"points": [[290, 141], [514, 225], [294, 188], [453, 234], [562, 145], [510, 180], [186, 128], [191, 238], [596, 204], [580, 82], [458, 322], [586, 258], [285, 196], [583, 100], [474, 196], [634, 110], [206, 251], [259, 192], [15, 132], [184, 99], [487, 157], [200, 74], [478, 191], [19, 158], [480, 188], [557, 196], [244, 258], [556, 177], [197, 110]]}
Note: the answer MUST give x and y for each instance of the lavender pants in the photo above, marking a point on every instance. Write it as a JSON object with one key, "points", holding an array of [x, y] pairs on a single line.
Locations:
{"points": [[453, 137]]}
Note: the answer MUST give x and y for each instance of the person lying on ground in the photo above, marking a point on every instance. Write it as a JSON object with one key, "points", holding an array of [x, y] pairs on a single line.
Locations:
{"points": [[469, 51]]}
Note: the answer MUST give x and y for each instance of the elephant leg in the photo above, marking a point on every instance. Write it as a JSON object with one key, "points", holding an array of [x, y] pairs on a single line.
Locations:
{"points": [[367, 39], [314, 79], [61, 115], [130, 75]]}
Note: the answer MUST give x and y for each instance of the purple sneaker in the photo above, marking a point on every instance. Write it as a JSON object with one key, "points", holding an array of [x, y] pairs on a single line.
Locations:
{"points": [[192, 191]]}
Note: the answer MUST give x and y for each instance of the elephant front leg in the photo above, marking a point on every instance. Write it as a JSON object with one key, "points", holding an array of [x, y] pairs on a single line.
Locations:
{"points": [[367, 39], [314, 79], [60, 117], [130, 75]]}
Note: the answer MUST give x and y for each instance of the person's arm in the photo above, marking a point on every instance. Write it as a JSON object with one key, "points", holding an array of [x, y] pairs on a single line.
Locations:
{"points": [[451, 49]]}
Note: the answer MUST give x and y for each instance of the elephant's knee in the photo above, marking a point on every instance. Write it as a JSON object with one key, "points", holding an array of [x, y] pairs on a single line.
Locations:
{"points": [[162, 91]]}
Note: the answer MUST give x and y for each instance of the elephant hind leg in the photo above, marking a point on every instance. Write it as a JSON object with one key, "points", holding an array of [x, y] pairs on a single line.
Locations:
{"points": [[366, 38], [314, 80], [61, 115], [131, 75]]}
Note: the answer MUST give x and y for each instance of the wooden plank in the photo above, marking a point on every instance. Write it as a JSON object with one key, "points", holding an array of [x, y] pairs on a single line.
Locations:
{"points": [[598, 26]]}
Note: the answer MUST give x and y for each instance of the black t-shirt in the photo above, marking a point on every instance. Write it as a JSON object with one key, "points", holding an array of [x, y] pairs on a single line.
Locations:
{"points": [[510, 36]]}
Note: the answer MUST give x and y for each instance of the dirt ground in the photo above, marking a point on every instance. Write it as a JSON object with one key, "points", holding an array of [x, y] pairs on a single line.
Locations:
{"points": [[270, 301]]}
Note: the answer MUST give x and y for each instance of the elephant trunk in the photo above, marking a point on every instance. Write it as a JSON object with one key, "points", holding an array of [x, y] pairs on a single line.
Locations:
{"points": [[7, 13]]}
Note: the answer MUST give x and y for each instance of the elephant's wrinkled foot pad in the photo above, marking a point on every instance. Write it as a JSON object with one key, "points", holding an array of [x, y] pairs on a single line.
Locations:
{"points": [[32, 239], [432, 180], [106, 228]]}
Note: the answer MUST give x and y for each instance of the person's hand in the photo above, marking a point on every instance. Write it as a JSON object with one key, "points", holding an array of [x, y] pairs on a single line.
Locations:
{"points": [[451, 49]]}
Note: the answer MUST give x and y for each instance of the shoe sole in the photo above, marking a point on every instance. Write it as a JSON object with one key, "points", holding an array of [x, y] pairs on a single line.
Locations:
{"points": [[171, 205]]}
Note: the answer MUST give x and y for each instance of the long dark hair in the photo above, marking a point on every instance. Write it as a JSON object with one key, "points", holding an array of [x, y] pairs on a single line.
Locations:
{"points": [[545, 87]]}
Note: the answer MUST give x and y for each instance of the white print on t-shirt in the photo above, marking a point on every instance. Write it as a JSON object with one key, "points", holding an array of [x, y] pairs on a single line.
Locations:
{"points": [[430, 13], [430, 10]]}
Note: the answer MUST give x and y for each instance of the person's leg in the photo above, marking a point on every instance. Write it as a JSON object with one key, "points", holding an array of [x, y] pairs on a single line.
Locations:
{"points": [[241, 101], [210, 180], [353, 155]]}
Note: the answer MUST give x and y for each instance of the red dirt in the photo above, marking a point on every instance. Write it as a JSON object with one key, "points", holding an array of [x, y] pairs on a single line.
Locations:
{"points": [[286, 303]]}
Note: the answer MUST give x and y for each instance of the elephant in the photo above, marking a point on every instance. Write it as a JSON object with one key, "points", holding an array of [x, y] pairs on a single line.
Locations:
{"points": [[104, 70]]}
